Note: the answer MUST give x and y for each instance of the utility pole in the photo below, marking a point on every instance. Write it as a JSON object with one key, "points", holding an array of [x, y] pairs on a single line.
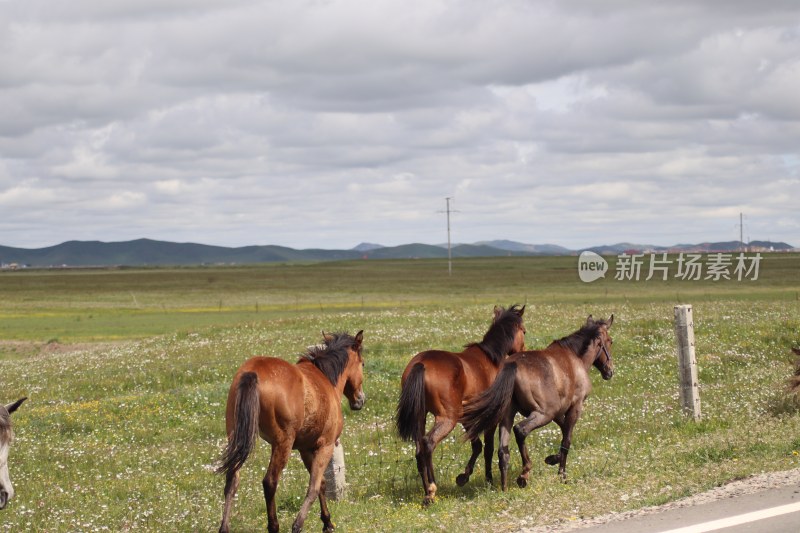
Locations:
{"points": [[449, 249], [449, 253], [741, 232]]}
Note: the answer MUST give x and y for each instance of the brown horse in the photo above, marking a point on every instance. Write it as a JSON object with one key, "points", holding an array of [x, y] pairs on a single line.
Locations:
{"points": [[6, 436], [439, 382], [292, 407], [544, 385]]}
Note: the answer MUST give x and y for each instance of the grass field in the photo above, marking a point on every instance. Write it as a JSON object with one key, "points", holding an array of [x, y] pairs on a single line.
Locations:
{"points": [[127, 373]]}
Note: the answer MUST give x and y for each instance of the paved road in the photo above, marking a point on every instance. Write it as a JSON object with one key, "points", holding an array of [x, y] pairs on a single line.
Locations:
{"points": [[749, 513]]}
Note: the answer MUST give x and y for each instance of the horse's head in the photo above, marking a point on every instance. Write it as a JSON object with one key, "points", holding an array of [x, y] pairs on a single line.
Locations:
{"points": [[354, 374], [602, 345], [6, 435], [509, 321]]}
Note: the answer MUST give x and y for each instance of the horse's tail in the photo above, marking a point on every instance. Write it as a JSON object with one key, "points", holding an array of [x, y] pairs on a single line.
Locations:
{"points": [[245, 429], [411, 410], [487, 409]]}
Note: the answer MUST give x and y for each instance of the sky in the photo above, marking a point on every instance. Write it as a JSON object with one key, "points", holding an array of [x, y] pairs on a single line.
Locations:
{"points": [[323, 124]]}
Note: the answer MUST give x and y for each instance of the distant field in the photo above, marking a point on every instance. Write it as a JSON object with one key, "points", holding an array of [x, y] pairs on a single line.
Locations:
{"points": [[127, 372], [81, 305]]}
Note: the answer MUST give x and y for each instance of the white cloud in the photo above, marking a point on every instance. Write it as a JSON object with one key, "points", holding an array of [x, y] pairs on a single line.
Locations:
{"points": [[170, 187], [248, 121], [27, 195], [86, 164], [124, 200]]}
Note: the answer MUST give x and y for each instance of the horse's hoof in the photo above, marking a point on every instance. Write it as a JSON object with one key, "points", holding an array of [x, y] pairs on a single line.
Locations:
{"points": [[522, 482], [427, 500], [462, 479], [552, 460], [489, 480]]}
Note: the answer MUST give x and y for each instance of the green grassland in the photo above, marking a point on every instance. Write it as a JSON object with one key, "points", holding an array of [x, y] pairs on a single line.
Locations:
{"points": [[127, 373]]}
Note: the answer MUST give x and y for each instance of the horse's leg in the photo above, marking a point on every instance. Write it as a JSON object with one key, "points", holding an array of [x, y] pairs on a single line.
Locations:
{"points": [[281, 451], [488, 452], [316, 461], [555, 458], [231, 485], [462, 479], [521, 431], [324, 513], [567, 423], [442, 426], [503, 455], [422, 465]]}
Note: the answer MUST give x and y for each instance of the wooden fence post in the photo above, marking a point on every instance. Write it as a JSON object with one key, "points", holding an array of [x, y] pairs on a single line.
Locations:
{"points": [[687, 361], [335, 485]]}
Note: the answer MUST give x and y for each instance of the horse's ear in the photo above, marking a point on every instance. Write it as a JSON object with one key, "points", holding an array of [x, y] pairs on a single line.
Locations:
{"points": [[610, 320], [589, 320], [522, 311], [327, 337], [497, 312], [13, 406], [359, 337]]}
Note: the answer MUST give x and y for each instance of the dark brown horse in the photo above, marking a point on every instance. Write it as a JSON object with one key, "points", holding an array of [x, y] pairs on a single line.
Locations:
{"points": [[439, 382], [543, 385], [6, 436], [292, 407]]}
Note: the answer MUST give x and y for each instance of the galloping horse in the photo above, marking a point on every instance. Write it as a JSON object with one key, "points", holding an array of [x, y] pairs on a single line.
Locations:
{"points": [[438, 382], [6, 435], [292, 407], [543, 385]]}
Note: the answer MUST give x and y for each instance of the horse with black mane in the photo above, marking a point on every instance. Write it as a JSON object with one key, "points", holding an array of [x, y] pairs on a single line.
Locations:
{"points": [[438, 382], [543, 385], [6, 436], [292, 407]]}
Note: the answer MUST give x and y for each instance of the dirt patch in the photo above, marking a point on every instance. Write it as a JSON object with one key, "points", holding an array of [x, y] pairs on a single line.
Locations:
{"points": [[750, 485]]}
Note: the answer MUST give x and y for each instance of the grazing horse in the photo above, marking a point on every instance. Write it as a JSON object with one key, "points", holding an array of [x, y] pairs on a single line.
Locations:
{"points": [[543, 385], [6, 436], [292, 407], [438, 382]]}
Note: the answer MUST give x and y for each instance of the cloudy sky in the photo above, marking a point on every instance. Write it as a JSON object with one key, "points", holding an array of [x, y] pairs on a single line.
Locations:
{"points": [[328, 123]]}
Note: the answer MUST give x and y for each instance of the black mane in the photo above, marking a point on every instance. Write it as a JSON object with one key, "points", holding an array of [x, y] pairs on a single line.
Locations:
{"points": [[331, 357], [497, 341], [579, 341]]}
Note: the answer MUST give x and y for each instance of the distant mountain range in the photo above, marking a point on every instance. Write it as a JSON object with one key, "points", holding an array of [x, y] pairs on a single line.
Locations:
{"points": [[146, 252]]}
